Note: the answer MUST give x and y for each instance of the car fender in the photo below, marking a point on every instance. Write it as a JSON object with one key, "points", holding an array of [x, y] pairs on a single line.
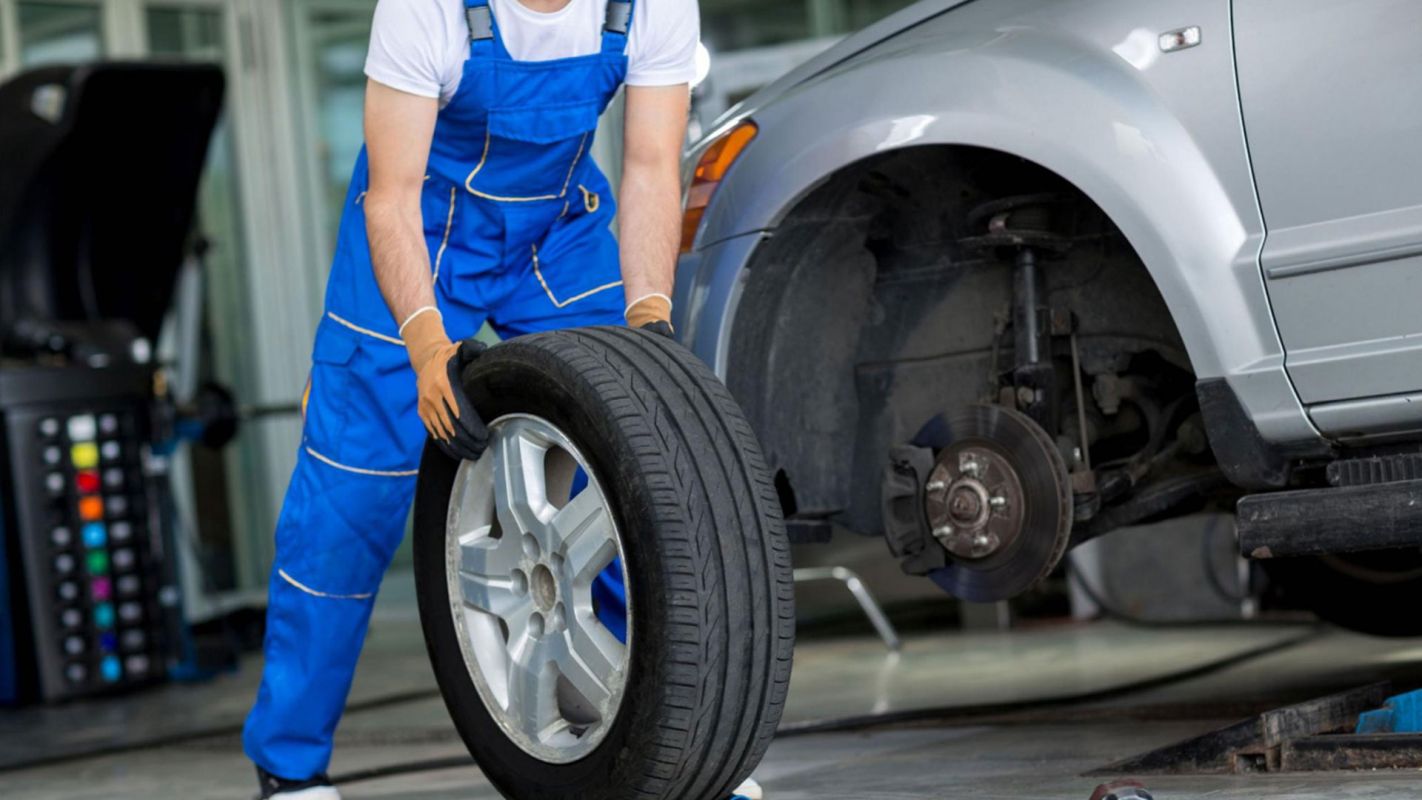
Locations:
{"points": [[1173, 176]]}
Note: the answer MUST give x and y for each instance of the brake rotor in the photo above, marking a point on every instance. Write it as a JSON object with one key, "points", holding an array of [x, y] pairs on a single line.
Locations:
{"points": [[999, 501]]}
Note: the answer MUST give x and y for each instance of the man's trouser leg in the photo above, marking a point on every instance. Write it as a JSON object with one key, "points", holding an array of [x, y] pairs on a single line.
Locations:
{"points": [[342, 520]]}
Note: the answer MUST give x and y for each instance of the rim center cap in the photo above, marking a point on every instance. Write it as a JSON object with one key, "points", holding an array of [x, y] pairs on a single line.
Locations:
{"points": [[545, 588]]}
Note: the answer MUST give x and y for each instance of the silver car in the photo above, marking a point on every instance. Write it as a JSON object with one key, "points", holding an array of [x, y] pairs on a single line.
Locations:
{"points": [[993, 278]]}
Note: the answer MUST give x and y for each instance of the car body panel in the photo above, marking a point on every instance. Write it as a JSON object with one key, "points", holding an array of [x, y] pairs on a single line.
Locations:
{"points": [[1331, 105], [1080, 88]]}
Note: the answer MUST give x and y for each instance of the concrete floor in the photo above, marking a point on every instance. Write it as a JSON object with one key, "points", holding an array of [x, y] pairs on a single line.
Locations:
{"points": [[978, 752]]}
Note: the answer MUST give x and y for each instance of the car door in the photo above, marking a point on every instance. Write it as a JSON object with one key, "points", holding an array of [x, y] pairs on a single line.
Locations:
{"points": [[1332, 107]]}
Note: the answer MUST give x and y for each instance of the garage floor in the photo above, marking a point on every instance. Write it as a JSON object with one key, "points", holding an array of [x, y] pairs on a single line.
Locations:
{"points": [[1110, 691]]}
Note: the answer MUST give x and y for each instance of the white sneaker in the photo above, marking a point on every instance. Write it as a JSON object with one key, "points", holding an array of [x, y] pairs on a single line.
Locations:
{"points": [[274, 788], [750, 790], [311, 793]]}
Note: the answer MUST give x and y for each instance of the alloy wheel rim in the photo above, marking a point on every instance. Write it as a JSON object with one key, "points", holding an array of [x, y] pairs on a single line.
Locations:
{"points": [[521, 562]]}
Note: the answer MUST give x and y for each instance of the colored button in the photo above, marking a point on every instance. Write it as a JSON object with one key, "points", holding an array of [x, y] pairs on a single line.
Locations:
{"points": [[85, 455], [87, 481], [101, 589], [61, 536], [104, 615], [49, 426], [122, 531], [110, 669], [108, 642], [95, 535], [52, 455], [83, 428], [112, 451], [123, 560], [98, 562], [91, 508]]}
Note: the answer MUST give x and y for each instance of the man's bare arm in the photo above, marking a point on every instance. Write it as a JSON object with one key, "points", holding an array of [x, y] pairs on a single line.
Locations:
{"points": [[398, 130], [650, 198]]}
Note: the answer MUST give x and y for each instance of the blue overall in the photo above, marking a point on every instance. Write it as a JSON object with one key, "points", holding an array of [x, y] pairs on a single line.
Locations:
{"points": [[516, 217]]}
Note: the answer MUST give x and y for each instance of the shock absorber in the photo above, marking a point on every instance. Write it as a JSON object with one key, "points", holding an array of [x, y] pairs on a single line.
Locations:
{"points": [[1020, 228]]}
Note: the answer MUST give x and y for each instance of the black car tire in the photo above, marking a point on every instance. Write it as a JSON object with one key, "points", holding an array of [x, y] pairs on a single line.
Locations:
{"points": [[707, 561]]}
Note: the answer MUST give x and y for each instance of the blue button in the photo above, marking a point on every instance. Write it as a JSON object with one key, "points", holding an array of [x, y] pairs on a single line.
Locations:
{"points": [[95, 535], [108, 642], [110, 669], [104, 615]]}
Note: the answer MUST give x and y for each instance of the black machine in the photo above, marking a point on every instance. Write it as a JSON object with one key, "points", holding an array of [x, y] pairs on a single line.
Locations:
{"points": [[98, 185]]}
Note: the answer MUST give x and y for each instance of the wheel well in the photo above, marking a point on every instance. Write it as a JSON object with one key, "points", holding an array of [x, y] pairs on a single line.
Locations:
{"points": [[865, 315]]}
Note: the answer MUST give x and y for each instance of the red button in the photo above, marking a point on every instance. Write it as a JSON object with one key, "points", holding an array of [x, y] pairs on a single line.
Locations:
{"points": [[88, 481]]}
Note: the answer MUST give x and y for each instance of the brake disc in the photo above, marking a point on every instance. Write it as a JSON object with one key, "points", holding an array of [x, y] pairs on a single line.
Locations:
{"points": [[998, 500]]}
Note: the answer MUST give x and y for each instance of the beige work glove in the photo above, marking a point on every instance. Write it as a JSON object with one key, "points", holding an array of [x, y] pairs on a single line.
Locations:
{"points": [[430, 350], [651, 313]]}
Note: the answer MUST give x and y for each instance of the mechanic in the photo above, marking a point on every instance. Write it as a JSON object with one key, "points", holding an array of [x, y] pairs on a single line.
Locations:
{"points": [[475, 199]]}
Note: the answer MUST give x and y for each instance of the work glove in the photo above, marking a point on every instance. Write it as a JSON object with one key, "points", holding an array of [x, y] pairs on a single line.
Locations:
{"points": [[439, 365], [651, 313]]}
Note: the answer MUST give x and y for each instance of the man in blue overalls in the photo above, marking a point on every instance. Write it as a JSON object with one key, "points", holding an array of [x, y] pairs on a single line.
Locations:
{"points": [[475, 200]]}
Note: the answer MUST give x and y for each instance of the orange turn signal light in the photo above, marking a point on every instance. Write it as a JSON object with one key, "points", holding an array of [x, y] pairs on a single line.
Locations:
{"points": [[715, 162]]}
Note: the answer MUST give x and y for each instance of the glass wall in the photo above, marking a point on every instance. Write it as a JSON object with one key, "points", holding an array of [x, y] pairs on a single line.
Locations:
{"points": [[56, 33], [332, 37]]}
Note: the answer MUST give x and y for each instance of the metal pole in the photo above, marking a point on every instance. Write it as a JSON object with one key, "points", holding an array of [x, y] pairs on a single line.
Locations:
{"points": [[856, 587]]}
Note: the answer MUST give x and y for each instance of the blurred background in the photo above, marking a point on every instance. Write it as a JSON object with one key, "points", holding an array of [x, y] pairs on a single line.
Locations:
{"points": [[276, 172]]}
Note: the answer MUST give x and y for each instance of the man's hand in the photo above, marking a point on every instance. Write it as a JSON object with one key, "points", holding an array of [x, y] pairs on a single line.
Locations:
{"points": [[439, 367], [471, 437], [652, 313]]}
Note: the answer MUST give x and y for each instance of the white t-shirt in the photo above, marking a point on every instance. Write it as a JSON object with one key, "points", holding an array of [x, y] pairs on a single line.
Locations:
{"points": [[420, 46]]}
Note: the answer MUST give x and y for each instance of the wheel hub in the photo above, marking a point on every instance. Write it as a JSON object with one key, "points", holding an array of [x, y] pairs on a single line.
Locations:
{"points": [[973, 501], [521, 561], [545, 588]]}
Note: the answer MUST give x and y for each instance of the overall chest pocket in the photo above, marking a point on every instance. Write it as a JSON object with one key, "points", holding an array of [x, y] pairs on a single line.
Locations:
{"points": [[532, 153]]}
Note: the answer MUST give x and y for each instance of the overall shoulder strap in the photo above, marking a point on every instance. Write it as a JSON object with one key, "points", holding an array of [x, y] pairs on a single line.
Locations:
{"points": [[484, 41], [616, 26]]}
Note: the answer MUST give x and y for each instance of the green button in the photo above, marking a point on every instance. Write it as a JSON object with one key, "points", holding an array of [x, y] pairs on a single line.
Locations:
{"points": [[98, 562]]}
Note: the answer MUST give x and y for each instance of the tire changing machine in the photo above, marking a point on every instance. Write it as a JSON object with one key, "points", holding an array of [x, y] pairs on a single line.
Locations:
{"points": [[97, 195]]}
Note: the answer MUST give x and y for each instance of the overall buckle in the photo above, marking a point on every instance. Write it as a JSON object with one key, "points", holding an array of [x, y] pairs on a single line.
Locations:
{"points": [[481, 23], [619, 16]]}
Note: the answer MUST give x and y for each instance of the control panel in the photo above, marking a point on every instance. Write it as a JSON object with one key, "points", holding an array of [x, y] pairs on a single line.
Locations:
{"points": [[85, 525]]}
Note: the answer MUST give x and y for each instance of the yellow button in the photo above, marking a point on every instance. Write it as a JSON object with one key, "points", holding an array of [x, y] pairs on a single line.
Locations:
{"points": [[85, 455]]}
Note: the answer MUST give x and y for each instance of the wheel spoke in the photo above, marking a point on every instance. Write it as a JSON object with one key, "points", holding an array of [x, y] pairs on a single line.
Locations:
{"points": [[493, 595], [593, 646], [520, 489], [493, 558], [586, 537], [533, 697], [585, 664]]}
